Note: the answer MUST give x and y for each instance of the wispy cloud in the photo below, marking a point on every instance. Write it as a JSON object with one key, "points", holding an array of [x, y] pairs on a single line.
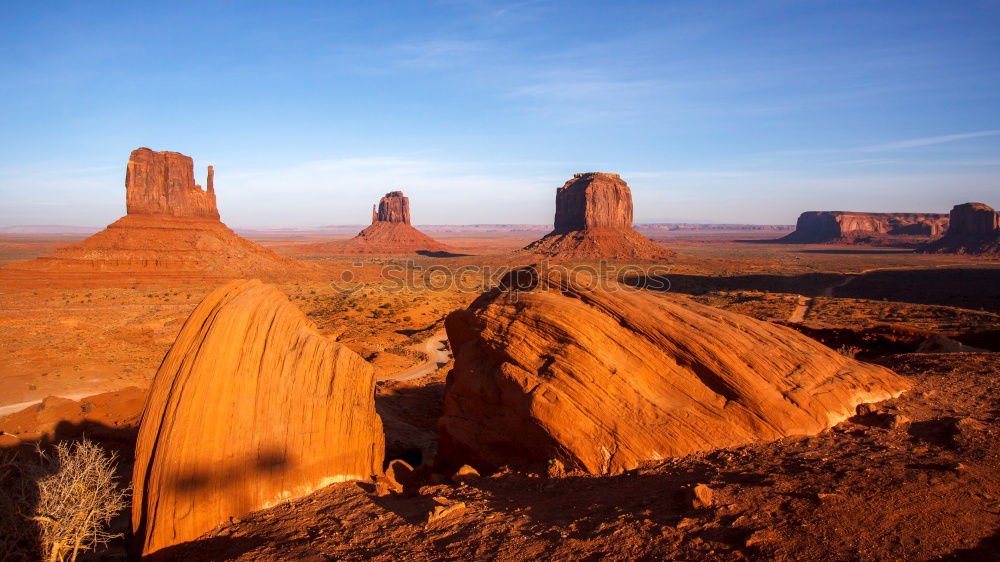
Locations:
{"points": [[928, 141]]}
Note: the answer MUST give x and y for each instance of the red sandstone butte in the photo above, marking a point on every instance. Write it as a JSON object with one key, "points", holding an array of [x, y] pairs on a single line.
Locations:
{"points": [[817, 227], [393, 207], [594, 221], [974, 229], [162, 183], [389, 233], [171, 228]]}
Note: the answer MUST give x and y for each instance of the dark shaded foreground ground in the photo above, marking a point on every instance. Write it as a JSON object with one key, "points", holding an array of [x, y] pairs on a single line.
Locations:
{"points": [[971, 288], [917, 479]]}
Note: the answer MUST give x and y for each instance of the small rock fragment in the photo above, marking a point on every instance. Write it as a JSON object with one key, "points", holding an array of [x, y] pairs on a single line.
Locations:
{"points": [[464, 472], [701, 496], [865, 409], [686, 522], [385, 485], [445, 508]]}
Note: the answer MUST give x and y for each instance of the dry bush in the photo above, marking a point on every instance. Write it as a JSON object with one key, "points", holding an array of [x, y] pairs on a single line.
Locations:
{"points": [[58, 503], [848, 351], [18, 536]]}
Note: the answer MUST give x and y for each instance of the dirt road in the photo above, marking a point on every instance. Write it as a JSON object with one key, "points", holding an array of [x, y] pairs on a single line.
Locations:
{"points": [[804, 303], [438, 353]]}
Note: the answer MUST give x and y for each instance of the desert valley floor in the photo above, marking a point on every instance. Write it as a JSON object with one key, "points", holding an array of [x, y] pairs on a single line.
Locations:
{"points": [[916, 477]]}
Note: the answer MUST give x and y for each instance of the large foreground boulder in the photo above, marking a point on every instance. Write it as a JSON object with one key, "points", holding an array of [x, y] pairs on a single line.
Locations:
{"points": [[594, 221], [250, 407], [602, 378]]}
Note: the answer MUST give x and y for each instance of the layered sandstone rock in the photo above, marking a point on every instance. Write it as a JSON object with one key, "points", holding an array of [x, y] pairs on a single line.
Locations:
{"points": [[394, 207], [816, 227], [594, 221], [251, 406], [593, 200], [602, 378], [162, 183], [172, 228], [389, 233], [974, 219], [974, 229]]}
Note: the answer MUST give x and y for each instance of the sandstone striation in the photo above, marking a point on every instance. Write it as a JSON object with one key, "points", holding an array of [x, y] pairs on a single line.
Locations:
{"points": [[389, 233], [594, 221], [974, 229], [172, 229], [250, 407], [602, 379], [817, 227]]}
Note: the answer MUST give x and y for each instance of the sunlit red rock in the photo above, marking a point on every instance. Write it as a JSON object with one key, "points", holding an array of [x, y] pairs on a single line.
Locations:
{"points": [[172, 229], [815, 227], [389, 233], [602, 378], [250, 407], [394, 207], [162, 183], [974, 229], [593, 221]]}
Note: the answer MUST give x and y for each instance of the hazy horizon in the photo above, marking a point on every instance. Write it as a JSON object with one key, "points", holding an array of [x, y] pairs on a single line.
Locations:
{"points": [[479, 110]]}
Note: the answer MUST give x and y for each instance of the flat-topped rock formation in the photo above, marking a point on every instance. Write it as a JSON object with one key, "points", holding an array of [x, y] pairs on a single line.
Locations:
{"points": [[162, 183], [389, 233], [817, 227], [393, 207], [172, 228], [974, 229], [594, 221], [603, 378], [250, 407]]}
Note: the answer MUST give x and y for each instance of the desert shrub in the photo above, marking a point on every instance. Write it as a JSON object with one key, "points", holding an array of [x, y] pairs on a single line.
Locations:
{"points": [[848, 351], [57, 503]]}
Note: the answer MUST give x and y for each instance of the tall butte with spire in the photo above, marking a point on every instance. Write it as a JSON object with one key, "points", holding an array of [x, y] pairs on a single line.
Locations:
{"points": [[594, 221], [171, 228], [389, 233]]}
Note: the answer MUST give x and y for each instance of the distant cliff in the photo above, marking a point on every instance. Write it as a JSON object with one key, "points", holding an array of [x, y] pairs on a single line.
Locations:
{"points": [[974, 229], [815, 227]]}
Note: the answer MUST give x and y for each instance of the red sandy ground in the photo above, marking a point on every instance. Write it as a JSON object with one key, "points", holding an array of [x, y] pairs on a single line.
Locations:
{"points": [[927, 488]]}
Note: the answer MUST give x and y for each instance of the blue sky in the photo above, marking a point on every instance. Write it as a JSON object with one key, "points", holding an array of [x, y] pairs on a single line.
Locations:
{"points": [[712, 111]]}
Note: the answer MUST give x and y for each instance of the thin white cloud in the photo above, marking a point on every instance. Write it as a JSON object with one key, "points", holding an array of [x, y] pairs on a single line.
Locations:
{"points": [[927, 141]]}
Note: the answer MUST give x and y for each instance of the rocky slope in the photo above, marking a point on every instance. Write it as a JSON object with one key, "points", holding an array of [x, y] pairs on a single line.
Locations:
{"points": [[250, 407], [594, 221], [816, 227], [974, 229], [601, 379]]}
